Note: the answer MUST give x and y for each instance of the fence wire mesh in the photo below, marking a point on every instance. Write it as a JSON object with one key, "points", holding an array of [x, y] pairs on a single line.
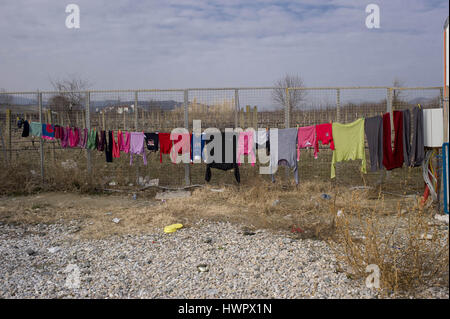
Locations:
{"points": [[164, 110]]}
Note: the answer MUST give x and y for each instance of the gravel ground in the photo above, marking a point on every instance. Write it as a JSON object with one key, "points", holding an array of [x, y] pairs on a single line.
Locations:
{"points": [[159, 265]]}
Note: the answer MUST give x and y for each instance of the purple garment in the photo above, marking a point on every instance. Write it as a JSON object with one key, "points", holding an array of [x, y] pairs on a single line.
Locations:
{"points": [[137, 145], [83, 140], [65, 137], [125, 145]]}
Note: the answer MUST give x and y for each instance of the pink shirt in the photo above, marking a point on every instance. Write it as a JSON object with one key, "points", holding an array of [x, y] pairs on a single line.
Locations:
{"points": [[125, 143], [65, 137], [74, 137], [307, 138], [245, 146], [137, 141]]}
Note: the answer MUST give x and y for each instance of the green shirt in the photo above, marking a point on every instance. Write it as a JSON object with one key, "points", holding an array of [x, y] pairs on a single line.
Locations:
{"points": [[91, 140], [349, 144], [36, 129]]}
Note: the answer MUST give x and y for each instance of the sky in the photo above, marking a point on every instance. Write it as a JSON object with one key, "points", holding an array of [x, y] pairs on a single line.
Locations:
{"points": [[146, 44]]}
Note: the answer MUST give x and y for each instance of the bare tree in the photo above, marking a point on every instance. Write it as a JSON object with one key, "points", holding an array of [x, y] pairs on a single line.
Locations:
{"points": [[70, 98], [5, 99], [295, 96], [71, 92]]}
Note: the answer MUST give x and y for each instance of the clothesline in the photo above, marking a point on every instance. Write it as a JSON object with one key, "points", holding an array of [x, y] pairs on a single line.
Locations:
{"points": [[345, 140]]}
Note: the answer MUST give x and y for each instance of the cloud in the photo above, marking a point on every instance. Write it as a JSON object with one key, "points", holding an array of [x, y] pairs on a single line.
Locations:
{"points": [[187, 43]]}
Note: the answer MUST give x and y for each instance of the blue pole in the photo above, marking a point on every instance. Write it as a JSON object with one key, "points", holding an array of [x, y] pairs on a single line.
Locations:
{"points": [[445, 161]]}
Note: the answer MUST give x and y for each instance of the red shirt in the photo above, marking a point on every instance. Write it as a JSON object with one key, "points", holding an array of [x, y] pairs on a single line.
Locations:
{"points": [[325, 135]]}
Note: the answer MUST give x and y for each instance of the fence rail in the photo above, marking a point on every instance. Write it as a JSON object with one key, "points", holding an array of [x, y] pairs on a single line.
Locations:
{"points": [[164, 109]]}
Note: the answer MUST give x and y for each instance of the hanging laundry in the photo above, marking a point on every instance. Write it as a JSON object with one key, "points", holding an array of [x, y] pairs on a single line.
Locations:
{"points": [[125, 145], [165, 144], [152, 141], [181, 144], [20, 122], [262, 139], [349, 144], [229, 139], [83, 140], [26, 129], [36, 129], [48, 132], [109, 147], [102, 141], [306, 137], [57, 132], [91, 141], [246, 146], [74, 137], [393, 159], [406, 136], [373, 127], [197, 147], [115, 147], [119, 139], [137, 142], [325, 135], [417, 147], [64, 137], [97, 140], [287, 154]]}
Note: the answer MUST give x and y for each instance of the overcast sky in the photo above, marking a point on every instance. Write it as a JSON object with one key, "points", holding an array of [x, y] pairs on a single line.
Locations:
{"points": [[196, 43]]}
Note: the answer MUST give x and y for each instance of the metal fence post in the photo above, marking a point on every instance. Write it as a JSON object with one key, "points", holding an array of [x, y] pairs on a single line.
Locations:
{"points": [[338, 105], [287, 110], [287, 120], [236, 107], [41, 140], [136, 113], [8, 136], [135, 110], [389, 109], [88, 127], [187, 169]]}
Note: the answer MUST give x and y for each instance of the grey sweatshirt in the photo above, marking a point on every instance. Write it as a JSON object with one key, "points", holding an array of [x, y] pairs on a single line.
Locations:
{"points": [[417, 148], [406, 136], [373, 127], [287, 151]]}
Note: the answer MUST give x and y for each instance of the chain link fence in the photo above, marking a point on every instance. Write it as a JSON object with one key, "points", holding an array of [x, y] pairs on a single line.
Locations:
{"points": [[164, 110]]}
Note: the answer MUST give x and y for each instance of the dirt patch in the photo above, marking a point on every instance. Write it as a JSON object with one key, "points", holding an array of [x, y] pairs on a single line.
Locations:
{"points": [[299, 210]]}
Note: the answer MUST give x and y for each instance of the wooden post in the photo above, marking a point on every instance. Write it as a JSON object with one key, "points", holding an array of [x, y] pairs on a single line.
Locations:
{"points": [[255, 118], [103, 120], [338, 105], [83, 118], [247, 116], [241, 119], [158, 118]]}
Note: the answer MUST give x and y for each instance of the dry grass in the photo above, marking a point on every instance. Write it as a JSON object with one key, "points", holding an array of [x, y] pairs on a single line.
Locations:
{"points": [[373, 230], [395, 242]]}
